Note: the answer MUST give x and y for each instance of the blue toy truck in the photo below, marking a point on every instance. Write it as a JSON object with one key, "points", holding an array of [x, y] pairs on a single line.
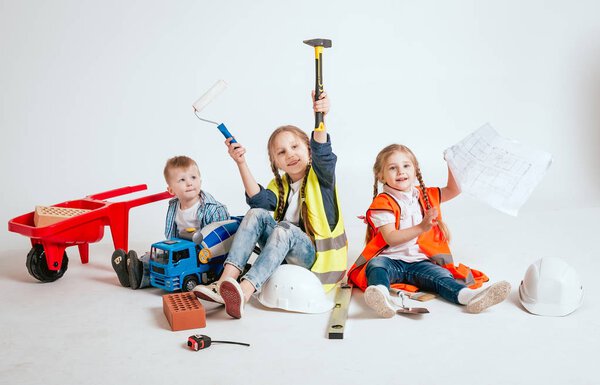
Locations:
{"points": [[196, 257]]}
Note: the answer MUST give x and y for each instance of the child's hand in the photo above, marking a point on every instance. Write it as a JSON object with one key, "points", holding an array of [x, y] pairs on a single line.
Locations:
{"points": [[236, 151], [321, 105], [429, 219]]}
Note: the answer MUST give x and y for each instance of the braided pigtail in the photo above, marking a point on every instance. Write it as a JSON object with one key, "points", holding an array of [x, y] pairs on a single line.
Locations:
{"points": [[304, 219], [280, 192], [369, 232], [440, 224]]}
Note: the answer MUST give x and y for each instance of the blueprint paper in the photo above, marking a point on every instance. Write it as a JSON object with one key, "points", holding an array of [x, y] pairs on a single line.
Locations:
{"points": [[498, 171]]}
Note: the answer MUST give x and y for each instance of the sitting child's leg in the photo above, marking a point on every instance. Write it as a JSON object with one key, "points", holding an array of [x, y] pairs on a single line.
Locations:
{"points": [[256, 227], [431, 277], [377, 296], [285, 240]]}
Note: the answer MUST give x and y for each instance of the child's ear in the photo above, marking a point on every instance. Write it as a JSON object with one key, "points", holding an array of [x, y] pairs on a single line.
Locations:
{"points": [[170, 190]]}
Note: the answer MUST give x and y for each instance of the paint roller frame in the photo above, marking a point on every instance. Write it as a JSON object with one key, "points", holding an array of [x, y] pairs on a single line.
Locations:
{"points": [[204, 100]]}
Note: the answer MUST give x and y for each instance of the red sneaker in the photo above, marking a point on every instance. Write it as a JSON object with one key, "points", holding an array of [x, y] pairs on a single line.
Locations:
{"points": [[233, 296]]}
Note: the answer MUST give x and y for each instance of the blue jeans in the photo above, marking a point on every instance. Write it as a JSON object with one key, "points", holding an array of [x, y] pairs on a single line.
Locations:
{"points": [[426, 275], [278, 241]]}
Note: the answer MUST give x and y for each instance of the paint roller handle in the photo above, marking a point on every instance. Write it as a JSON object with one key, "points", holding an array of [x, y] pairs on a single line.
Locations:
{"points": [[226, 133]]}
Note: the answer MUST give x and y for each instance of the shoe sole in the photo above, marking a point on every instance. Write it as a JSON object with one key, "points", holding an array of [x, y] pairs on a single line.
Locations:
{"points": [[376, 301], [233, 299], [135, 270], [491, 296], [210, 297], [119, 264]]}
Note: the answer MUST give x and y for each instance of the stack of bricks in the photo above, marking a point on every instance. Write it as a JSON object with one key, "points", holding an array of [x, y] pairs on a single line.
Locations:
{"points": [[49, 215], [183, 311]]}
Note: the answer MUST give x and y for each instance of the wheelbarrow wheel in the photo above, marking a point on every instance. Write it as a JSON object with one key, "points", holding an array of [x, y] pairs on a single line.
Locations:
{"points": [[38, 267], [189, 283]]}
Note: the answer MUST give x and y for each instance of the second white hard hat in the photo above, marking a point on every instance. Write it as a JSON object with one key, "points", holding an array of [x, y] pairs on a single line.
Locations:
{"points": [[551, 287], [294, 288]]}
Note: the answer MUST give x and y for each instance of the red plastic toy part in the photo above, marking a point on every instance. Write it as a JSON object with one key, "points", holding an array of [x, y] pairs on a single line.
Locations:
{"points": [[79, 230]]}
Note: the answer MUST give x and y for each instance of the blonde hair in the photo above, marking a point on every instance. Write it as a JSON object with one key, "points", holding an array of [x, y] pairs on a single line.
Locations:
{"points": [[180, 161], [279, 210], [381, 158]]}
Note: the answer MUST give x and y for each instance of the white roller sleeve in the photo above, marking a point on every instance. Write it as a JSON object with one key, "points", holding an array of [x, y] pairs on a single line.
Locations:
{"points": [[209, 95]]}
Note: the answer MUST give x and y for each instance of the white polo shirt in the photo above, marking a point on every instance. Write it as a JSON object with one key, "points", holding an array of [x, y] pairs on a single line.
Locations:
{"points": [[410, 215]]}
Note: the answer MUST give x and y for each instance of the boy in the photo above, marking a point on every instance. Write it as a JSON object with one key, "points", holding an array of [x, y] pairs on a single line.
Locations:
{"points": [[191, 207]]}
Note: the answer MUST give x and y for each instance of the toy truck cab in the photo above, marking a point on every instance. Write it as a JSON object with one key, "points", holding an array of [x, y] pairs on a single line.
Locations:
{"points": [[196, 257]]}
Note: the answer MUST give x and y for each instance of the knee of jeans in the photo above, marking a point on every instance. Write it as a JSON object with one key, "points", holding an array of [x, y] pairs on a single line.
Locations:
{"points": [[376, 263], [254, 215], [281, 230]]}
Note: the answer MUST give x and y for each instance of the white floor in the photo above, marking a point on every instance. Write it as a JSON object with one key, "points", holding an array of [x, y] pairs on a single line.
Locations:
{"points": [[86, 329]]}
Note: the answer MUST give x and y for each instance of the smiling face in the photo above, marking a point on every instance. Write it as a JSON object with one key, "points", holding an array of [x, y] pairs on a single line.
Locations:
{"points": [[289, 153], [185, 183], [398, 171]]}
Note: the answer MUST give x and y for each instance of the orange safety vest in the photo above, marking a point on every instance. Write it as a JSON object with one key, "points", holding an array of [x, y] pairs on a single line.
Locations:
{"points": [[432, 243]]}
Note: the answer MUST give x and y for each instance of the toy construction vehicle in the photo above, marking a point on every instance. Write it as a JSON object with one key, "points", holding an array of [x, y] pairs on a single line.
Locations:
{"points": [[196, 257]]}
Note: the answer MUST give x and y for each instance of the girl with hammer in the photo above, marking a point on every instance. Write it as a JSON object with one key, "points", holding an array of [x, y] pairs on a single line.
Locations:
{"points": [[307, 227]]}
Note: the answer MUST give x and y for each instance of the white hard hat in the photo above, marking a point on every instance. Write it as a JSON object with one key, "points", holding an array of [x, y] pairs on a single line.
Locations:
{"points": [[551, 287], [294, 288]]}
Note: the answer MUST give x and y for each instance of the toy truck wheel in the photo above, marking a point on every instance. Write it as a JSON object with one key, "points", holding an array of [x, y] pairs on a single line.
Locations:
{"points": [[189, 283], [38, 267]]}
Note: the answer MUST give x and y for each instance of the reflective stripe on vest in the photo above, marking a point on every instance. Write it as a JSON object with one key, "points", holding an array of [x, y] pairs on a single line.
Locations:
{"points": [[331, 246], [331, 243]]}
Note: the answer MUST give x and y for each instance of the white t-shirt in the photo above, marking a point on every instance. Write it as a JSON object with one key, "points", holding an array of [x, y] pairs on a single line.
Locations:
{"points": [[410, 215], [292, 213], [187, 218]]}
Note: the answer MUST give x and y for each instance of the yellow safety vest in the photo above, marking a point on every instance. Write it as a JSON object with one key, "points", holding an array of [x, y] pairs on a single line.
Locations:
{"points": [[331, 247]]}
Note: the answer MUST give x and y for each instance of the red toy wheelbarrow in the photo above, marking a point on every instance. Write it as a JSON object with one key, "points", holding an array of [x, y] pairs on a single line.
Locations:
{"points": [[47, 261]]}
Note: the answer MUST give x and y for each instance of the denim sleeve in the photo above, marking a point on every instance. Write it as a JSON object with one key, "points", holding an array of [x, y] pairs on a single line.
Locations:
{"points": [[264, 199], [323, 162]]}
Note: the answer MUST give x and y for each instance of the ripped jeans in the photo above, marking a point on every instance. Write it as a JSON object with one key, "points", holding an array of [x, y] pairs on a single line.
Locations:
{"points": [[278, 241]]}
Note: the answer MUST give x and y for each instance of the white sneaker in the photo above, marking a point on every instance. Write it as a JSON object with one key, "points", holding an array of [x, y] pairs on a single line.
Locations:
{"points": [[378, 298], [491, 296], [209, 293]]}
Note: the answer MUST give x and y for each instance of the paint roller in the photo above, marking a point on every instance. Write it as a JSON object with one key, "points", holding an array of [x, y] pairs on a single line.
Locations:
{"points": [[208, 97]]}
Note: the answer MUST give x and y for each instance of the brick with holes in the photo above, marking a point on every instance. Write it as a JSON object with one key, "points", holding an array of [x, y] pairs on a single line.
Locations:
{"points": [[183, 311]]}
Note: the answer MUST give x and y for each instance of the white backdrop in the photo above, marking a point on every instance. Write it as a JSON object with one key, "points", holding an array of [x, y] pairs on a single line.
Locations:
{"points": [[96, 95]]}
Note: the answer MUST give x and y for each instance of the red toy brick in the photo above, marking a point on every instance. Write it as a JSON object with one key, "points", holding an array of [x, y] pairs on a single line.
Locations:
{"points": [[183, 311]]}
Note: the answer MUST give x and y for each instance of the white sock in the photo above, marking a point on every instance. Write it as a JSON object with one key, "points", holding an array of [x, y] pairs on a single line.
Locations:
{"points": [[466, 294]]}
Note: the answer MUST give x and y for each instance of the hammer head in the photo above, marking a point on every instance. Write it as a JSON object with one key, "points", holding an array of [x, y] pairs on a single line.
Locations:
{"points": [[325, 43]]}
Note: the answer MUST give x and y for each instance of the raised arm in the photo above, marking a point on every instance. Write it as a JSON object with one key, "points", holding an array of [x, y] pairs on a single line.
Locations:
{"points": [[451, 190], [321, 105], [237, 153]]}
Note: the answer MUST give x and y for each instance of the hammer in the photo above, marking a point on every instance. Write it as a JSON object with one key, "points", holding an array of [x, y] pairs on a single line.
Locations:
{"points": [[319, 44]]}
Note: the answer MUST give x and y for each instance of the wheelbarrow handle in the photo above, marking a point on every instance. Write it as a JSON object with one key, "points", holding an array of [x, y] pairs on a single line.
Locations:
{"points": [[147, 199], [118, 192]]}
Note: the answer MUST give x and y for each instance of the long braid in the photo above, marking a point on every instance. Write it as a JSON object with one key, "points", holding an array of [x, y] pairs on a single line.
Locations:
{"points": [[369, 232], [440, 224], [280, 197], [423, 188], [308, 228]]}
